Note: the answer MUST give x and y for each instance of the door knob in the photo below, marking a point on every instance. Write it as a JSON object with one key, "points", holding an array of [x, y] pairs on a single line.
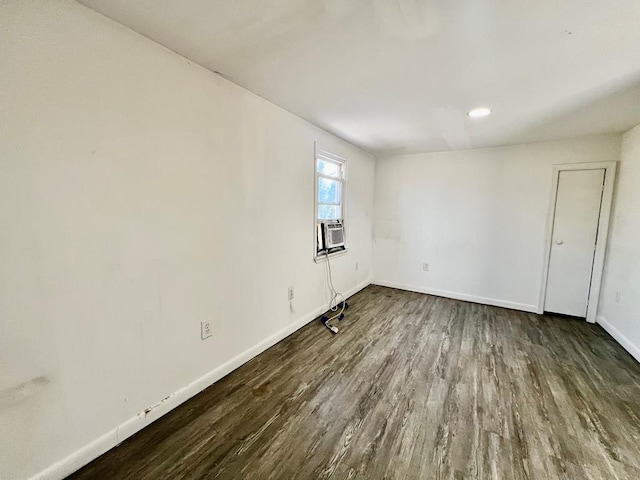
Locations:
{"points": [[559, 242]]}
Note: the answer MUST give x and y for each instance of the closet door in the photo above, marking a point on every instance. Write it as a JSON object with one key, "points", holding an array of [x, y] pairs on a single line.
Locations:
{"points": [[573, 242]]}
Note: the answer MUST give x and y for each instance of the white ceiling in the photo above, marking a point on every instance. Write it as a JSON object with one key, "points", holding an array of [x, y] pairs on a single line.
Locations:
{"points": [[398, 76]]}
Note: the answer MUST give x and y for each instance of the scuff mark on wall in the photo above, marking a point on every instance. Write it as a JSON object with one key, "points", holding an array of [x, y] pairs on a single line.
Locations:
{"points": [[20, 392], [148, 410]]}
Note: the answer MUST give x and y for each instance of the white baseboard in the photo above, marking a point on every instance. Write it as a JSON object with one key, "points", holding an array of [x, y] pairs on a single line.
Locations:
{"points": [[461, 296], [627, 344], [102, 444]]}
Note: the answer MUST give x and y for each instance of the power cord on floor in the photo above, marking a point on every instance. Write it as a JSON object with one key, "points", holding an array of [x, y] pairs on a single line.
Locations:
{"points": [[337, 299]]}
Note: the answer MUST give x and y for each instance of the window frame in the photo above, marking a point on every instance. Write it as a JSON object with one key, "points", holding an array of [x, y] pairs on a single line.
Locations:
{"points": [[322, 153]]}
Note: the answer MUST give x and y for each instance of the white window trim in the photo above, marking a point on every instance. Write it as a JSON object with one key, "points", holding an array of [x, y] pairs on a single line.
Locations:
{"points": [[323, 153]]}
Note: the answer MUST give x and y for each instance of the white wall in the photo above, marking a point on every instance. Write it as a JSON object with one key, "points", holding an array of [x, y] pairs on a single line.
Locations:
{"points": [[138, 197], [619, 308], [477, 217]]}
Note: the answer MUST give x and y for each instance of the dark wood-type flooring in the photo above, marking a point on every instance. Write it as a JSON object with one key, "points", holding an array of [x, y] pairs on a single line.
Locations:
{"points": [[413, 387]]}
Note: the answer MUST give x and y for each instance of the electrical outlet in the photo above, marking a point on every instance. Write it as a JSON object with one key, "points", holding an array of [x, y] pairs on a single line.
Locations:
{"points": [[290, 293], [205, 330], [425, 267]]}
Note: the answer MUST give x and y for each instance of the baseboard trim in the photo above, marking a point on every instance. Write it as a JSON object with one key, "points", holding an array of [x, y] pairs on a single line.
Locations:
{"points": [[619, 337], [107, 441], [461, 296]]}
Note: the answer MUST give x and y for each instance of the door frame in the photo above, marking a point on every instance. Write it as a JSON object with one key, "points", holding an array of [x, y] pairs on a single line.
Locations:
{"points": [[601, 239]]}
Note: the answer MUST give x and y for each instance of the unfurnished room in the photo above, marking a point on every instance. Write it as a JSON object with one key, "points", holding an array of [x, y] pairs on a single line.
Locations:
{"points": [[319, 239]]}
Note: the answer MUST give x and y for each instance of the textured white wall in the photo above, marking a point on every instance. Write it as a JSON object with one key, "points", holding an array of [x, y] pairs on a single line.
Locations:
{"points": [[477, 217], [619, 309], [138, 197]]}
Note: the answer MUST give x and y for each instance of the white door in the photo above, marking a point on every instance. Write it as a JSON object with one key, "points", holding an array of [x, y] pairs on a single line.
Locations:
{"points": [[573, 242]]}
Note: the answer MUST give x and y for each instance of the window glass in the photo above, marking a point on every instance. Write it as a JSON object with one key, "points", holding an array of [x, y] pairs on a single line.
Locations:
{"points": [[328, 191], [330, 169], [329, 212]]}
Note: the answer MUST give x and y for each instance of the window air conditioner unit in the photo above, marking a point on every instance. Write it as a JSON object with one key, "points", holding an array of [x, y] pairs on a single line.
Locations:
{"points": [[333, 235]]}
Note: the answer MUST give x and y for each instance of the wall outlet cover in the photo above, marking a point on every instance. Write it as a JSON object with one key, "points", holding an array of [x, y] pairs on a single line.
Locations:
{"points": [[205, 330]]}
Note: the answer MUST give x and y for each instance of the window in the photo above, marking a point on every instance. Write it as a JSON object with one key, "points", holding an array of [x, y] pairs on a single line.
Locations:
{"points": [[330, 187], [330, 194]]}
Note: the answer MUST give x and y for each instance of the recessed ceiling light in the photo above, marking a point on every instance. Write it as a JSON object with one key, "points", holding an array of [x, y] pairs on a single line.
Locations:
{"points": [[479, 112]]}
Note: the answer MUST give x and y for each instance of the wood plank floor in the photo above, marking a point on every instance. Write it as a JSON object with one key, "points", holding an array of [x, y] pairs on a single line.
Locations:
{"points": [[413, 387]]}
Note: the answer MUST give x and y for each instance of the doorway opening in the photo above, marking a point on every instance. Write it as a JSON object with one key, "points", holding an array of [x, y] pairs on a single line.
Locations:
{"points": [[577, 230]]}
